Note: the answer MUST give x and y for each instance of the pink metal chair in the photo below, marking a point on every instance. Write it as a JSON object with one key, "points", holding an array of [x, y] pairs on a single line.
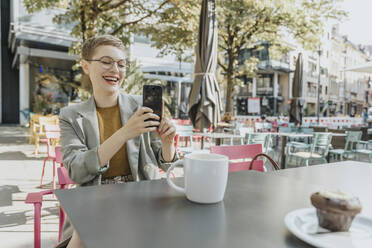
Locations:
{"points": [[37, 198], [240, 152], [245, 157], [52, 137], [59, 155]]}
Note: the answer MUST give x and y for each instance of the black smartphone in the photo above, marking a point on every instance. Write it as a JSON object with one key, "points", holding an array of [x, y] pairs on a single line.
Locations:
{"points": [[152, 98]]}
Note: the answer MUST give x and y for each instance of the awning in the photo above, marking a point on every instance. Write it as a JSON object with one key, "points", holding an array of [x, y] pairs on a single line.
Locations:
{"points": [[169, 78], [367, 68]]}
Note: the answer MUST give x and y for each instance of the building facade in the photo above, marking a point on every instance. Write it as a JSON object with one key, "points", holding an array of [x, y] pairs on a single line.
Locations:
{"points": [[36, 71]]}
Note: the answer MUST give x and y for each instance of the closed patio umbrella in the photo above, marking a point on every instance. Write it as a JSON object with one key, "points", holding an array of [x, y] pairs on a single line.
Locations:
{"points": [[204, 98], [295, 114]]}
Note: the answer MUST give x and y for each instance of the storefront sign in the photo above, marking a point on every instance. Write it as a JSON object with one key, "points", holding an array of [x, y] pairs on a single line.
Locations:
{"points": [[253, 105]]}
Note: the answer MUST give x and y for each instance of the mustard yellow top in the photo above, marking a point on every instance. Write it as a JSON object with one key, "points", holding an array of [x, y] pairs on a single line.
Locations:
{"points": [[109, 122]]}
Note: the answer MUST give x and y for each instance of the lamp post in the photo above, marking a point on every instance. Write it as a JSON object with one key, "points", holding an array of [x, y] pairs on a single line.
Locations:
{"points": [[344, 77], [318, 87]]}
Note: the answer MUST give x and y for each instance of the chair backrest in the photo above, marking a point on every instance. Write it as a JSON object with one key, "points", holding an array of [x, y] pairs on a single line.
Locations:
{"points": [[47, 120], [307, 130], [53, 135], [59, 155], [284, 129], [259, 126], [244, 131], [322, 141], [241, 154], [294, 129], [259, 138], [63, 178], [352, 138], [267, 126], [181, 122], [184, 129]]}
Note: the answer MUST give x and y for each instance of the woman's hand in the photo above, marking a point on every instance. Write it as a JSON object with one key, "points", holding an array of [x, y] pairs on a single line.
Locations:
{"points": [[166, 131], [137, 125]]}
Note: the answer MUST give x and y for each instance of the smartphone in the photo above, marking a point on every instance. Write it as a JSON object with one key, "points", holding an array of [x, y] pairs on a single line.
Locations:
{"points": [[152, 98]]}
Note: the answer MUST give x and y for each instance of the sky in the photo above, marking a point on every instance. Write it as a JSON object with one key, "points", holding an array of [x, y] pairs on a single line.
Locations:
{"points": [[358, 24]]}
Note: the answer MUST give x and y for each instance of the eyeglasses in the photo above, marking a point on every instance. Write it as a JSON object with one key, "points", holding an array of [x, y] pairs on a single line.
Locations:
{"points": [[108, 62]]}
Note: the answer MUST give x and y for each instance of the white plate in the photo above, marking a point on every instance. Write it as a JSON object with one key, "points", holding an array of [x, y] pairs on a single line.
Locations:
{"points": [[303, 223]]}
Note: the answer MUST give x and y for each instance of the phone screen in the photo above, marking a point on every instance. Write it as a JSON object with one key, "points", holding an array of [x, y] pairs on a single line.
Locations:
{"points": [[152, 98]]}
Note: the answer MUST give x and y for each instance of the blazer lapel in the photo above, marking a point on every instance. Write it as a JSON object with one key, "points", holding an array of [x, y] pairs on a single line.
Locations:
{"points": [[90, 122], [128, 106]]}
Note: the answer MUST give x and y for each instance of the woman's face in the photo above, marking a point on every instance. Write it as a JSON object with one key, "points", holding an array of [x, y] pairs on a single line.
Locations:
{"points": [[106, 69]]}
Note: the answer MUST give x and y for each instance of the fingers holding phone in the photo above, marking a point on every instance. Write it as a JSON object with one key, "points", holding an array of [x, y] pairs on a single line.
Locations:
{"points": [[166, 131], [144, 120], [152, 99]]}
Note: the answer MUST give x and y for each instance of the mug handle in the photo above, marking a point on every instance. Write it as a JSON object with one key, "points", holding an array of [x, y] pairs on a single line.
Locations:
{"points": [[169, 181]]}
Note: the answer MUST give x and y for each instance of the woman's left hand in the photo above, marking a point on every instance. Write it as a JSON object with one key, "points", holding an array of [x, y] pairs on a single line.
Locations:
{"points": [[166, 131]]}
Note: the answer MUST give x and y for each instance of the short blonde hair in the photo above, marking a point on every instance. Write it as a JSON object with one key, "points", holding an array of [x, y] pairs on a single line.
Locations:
{"points": [[92, 43]]}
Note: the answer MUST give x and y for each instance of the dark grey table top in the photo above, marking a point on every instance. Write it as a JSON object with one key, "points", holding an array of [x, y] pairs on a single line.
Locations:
{"points": [[347, 176], [150, 214]]}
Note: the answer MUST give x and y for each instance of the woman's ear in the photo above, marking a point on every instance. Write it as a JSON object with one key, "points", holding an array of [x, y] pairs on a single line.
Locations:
{"points": [[84, 65]]}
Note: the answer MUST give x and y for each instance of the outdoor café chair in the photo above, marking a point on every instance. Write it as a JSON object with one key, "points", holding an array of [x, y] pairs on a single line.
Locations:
{"points": [[364, 150], [36, 198], [260, 138], [352, 139], [39, 132], [53, 136], [318, 150], [243, 157], [184, 133]]}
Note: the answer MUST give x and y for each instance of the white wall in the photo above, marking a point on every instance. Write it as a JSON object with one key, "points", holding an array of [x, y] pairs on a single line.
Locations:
{"points": [[24, 88]]}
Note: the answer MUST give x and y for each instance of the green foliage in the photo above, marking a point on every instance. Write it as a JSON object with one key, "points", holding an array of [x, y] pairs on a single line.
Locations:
{"points": [[120, 18], [242, 25], [93, 17]]}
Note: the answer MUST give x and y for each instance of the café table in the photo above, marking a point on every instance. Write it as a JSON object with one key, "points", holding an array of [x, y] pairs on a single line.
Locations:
{"points": [[284, 143], [218, 137], [285, 136], [349, 176], [150, 214]]}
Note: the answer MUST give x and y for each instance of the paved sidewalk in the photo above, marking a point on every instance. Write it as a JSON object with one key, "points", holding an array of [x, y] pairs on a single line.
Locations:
{"points": [[20, 174]]}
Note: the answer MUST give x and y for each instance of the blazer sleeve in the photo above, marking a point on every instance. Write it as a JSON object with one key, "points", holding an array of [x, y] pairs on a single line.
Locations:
{"points": [[82, 163]]}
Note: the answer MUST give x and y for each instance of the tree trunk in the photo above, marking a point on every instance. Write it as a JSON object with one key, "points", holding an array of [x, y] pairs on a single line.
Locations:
{"points": [[230, 86], [229, 89]]}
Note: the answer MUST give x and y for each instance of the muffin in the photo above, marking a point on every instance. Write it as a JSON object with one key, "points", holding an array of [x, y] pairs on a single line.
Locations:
{"points": [[335, 210]]}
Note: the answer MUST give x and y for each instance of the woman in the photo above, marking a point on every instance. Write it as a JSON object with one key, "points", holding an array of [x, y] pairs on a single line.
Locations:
{"points": [[107, 138]]}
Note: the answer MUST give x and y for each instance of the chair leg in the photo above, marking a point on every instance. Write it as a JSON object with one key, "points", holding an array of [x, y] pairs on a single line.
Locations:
{"points": [[37, 224], [42, 172], [286, 161], [37, 140], [306, 162], [61, 222], [54, 175]]}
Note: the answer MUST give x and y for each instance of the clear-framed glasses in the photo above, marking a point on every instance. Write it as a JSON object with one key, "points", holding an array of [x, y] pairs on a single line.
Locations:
{"points": [[107, 63]]}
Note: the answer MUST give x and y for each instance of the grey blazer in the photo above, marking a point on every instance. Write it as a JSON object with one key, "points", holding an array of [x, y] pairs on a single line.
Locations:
{"points": [[80, 141]]}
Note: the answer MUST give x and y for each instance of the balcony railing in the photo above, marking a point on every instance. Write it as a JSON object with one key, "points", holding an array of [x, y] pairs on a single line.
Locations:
{"points": [[274, 64]]}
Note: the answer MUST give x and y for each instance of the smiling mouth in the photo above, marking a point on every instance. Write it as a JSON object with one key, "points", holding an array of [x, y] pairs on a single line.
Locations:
{"points": [[111, 80]]}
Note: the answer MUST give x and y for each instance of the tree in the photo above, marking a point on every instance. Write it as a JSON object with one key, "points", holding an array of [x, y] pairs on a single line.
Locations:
{"points": [[121, 18], [244, 24]]}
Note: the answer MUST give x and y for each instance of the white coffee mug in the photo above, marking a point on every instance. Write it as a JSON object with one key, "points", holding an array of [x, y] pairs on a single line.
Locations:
{"points": [[205, 177]]}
